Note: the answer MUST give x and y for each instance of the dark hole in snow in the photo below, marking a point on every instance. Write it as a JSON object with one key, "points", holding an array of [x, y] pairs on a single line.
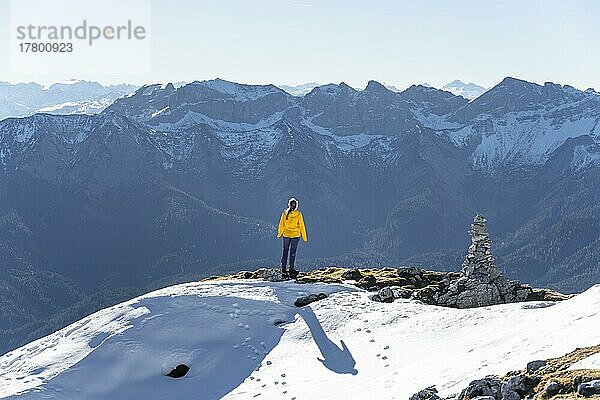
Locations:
{"points": [[179, 371]]}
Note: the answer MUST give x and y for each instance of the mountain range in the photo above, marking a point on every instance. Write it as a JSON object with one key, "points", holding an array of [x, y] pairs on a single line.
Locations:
{"points": [[169, 183], [469, 91], [68, 97]]}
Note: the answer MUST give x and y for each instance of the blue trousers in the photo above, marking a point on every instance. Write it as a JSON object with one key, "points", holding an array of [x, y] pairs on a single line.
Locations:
{"points": [[289, 245]]}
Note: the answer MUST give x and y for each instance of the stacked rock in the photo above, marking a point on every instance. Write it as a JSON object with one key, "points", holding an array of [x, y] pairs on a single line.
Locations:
{"points": [[481, 283], [479, 263]]}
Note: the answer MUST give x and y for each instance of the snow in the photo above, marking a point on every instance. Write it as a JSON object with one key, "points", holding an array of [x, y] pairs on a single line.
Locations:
{"points": [[162, 110], [241, 92], [149, 90], [299, 90], [433, 121], [66, 82], [469, 91], [192, 118], [245, 339], [590, 362], [460, 137], [583, 159], [346, 143], [523, 138], [77, 107]]}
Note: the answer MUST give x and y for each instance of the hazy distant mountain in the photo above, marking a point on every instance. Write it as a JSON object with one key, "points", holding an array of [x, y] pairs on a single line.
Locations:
{"points": [[469, 91], [299, 90], [176, 181], [69, 97]]}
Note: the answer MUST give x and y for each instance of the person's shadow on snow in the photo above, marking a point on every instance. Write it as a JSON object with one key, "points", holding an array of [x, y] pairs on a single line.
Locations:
{"points": [[338, 360]]}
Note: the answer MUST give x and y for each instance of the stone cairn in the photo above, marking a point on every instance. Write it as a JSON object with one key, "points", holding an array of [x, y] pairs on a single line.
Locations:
{"points": [[479, 283], [479, 263]]}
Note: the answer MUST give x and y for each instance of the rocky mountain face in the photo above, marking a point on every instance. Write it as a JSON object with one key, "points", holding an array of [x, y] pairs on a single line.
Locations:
{"points": [[69, 97], [175, 181]]}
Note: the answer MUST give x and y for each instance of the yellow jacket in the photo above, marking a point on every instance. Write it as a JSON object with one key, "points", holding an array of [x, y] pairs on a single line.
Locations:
{"points": [[292, 226]]}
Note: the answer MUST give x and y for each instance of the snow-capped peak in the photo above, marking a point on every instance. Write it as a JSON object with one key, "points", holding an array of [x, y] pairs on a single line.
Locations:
{"points": [[469, 91], [299, 90]]}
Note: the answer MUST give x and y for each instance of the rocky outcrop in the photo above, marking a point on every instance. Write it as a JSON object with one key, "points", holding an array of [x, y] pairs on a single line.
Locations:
{"points": [[429, 393], [588, 389], [541, 379], [311, 298], [352, 274], [533, 366], [479, 283], [266, 274], [488, 386]]}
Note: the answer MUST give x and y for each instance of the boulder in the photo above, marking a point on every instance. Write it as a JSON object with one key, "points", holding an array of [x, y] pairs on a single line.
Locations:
{"points": [[267, 274], [489, 386], [384, 295], [429, 294], [552, 389], [533, 366], [429, 393], [523, 384], [367, 282], [508, 393], [352, 275], [590, 388], [311, 298]]}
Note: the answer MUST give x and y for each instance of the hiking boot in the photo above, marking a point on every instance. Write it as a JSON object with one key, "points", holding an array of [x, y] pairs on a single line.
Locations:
{"points": [[293, 272], [283, 271]]}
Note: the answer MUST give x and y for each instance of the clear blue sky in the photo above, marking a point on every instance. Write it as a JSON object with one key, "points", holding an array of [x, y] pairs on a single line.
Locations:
{"points": [[397, 42]]}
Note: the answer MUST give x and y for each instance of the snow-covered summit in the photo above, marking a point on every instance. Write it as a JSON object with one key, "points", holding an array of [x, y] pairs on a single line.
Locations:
{"points": [[299, 90], [244, 339], [469, 90], [519, 124]]}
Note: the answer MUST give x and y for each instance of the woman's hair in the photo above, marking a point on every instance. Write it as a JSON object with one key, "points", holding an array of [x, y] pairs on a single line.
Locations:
{"points": [[292, 205]]}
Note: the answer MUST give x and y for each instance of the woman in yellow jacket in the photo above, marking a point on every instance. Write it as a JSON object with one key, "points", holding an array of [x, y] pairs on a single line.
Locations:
{"points": [[291, 227]]}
